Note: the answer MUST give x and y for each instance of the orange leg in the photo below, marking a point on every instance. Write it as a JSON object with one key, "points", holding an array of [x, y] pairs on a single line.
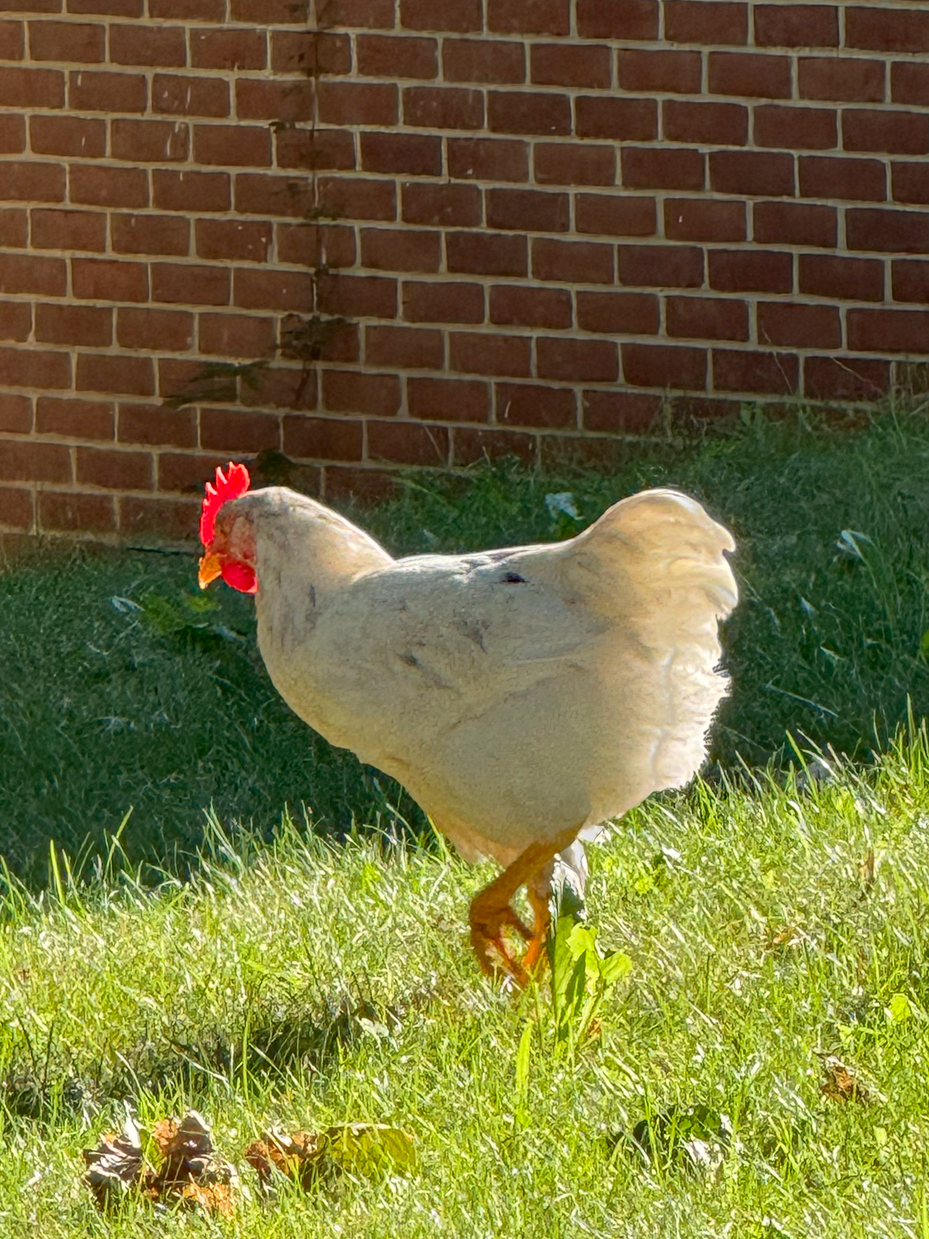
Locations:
{"points": [[491, 913]]}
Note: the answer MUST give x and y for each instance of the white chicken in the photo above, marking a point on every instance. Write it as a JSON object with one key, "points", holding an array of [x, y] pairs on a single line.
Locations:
{"points": [[522, 696]]}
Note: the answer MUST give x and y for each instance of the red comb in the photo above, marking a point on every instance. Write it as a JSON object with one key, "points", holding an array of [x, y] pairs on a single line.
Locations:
{"points": [[229, 485]]}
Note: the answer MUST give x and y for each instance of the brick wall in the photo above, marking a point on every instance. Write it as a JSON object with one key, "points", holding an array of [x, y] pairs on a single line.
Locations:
{"points": [[443, 227]]}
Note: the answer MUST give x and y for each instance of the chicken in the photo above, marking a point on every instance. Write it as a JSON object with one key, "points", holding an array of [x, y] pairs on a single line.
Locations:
{"points": [[523, 697]]}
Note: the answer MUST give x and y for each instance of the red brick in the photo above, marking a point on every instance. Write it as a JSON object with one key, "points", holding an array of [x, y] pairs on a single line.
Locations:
{"points": [[190, 283], [887, 29], [359, 485], [737, 271], [894, 232], [258, 194], [795, 223], [529, 16], [619, 411], [188, 10], [67, 135], [229, 239], [149, 141], [895, 133], [483, 60], [765, 373], [911, 281], [108, 280], [26, 273], [863, 180], [702, 219], [706, 21], [12, 135], [845, 378], [615, 215], [910, 182], [342, 345], [281, 101], [471, 446], [350, 392], [527, 210], [12, 41], [228, 49], [662, 168], [838, 78], [407, 348], [568, 163], [32, 182], [74, 324], [14, 228], [115, 470], [64, 512], [164, 46], [888, 331], [90, 91], [374, 14], [513, 305], [15, 414], [129, 376], [247, 146], [150, 234], [234, 430], [236, 335], [68, 230], [408, 443], [397, 58], [446, 400], [909, 82], [793, 324], [845, 279], [15, 320], [532, 404], [191, 191], [114, 187], [796, 25], [325, 438], [391, 249], [625, 19], [447, 205], [752, 172], [310, 52], [706, 318], [331, 149], [664, 365], [706, 122], [68, 41], [795, 128], [22, 461], [488, 159], [443, 302], [163, 331], [166, 518], [618, 313], [279, 12], [358, 296], [359, 198], [411, 154], [272, 290], [616, 118], [482, 253], [528, 112], [572, 361], [331, 247], [111, 8], [16, 508], [672, 72], [358, 103], [459, 16], [560, 64], [572, 262], [443, 107], [31, 88], [656, 266], [748, 73], [496, 354], [280, 387], [157, 425], [190, 96]]}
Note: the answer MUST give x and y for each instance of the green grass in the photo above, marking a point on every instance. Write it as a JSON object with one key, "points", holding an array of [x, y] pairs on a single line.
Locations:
{"points": [[303, 984], [168, 710]]}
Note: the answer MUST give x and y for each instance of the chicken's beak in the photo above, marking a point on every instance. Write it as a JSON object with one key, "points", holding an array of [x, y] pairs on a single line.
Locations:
{"points": [[210, 568]]}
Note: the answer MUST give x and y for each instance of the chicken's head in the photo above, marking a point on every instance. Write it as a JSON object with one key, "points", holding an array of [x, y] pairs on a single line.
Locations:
{"points": [[228, 537]]}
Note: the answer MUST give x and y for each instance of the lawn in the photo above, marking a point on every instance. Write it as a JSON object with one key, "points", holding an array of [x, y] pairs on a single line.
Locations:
{"points": [[210, 951]]}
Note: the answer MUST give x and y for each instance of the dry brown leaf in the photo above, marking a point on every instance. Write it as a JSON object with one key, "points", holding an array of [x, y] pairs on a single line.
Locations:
{"points": [[296, 1155], [841, 1083], [114, 1166]]}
